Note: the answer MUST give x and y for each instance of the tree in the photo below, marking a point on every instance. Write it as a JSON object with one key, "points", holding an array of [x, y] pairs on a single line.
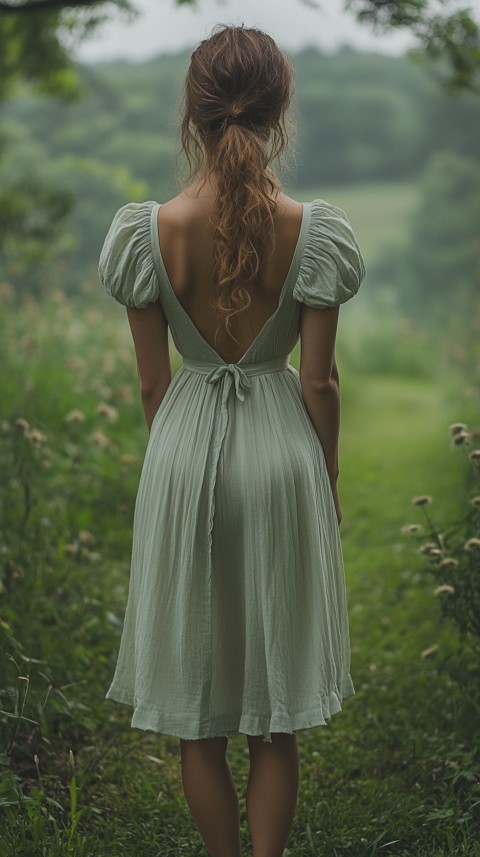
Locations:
{"points": [[34, 38], [451, 38]]}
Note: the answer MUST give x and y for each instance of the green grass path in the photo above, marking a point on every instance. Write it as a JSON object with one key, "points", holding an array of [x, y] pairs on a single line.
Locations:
{"points": [[365, 779]]}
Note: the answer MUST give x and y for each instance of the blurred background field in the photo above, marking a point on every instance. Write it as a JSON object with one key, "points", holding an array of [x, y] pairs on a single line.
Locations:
{"points": [[397, 772]]}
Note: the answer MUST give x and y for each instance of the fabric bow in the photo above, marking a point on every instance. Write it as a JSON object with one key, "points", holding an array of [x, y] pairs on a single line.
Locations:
{"points": [[242, 382]]}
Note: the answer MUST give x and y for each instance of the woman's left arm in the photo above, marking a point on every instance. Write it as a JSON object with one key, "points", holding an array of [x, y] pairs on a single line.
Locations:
{"points": [[149, 329]]}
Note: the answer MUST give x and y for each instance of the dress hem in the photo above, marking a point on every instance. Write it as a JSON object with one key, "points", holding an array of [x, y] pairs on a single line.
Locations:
{"points": [[147, 717]]}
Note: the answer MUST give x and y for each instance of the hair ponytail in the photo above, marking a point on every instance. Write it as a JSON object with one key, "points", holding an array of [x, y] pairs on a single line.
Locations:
{"points": [[236, 94]]}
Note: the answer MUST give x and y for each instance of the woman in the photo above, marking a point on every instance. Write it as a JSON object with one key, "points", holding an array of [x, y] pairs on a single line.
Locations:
{"points": [[236, 619]]}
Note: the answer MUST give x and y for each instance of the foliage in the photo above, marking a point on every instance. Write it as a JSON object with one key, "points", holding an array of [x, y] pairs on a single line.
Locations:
{"points": [[397, 772], [454, 552], [119, 143], [435, 271], [34, 47], [450, 36], [31, 216]]}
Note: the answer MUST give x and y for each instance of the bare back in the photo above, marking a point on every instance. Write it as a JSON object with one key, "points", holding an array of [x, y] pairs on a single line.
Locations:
{"points": [[185, 238]]}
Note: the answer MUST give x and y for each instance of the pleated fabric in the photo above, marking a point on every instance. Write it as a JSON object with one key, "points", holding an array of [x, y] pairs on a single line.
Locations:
{"points": [[237, 617]]}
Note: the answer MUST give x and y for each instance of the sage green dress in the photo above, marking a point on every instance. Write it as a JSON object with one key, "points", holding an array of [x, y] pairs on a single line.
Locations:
{"points": [[236, 618]]}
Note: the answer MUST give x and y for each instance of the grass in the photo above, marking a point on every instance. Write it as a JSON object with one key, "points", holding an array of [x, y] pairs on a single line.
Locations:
{"points": [[378, 211], [396, 772]]}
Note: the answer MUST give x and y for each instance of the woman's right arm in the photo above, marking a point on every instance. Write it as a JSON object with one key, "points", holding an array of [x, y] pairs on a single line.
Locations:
{"points": [[319, 381]]}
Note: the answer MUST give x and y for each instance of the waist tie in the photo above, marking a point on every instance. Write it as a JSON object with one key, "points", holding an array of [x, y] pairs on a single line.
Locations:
{"points": [[230, 374], [234, 372]]}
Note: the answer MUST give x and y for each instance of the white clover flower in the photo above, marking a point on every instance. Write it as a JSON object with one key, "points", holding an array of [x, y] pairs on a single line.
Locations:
{"points": [[435, 552], [422, 500], [472, 544], [444, 587]]}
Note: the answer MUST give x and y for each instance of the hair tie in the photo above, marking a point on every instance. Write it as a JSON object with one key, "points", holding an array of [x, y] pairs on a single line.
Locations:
{"points": [[233, 120]]}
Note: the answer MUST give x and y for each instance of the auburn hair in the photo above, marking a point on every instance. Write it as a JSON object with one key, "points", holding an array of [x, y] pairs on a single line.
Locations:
{"points": [[234, 122]]}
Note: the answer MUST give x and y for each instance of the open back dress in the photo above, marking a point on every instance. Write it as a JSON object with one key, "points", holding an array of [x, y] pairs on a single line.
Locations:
{"points": [[236, 619]]}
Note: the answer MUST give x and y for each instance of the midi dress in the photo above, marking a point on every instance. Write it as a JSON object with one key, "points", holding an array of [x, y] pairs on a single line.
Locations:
{"points": [[236, 619]]}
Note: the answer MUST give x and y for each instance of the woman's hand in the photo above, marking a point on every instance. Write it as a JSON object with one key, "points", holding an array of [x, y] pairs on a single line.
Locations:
{"points": [[337, 502]]}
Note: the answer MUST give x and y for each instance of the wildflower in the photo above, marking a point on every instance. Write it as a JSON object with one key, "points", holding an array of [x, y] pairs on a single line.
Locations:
{"points": [[449, 562], [36, 437], [475, 455], [428, 652], [99, 439], [472, 544], [23, 424], [70, 549], [475, 501], [128, 458], [461, 438], [444, 587], [124, 394], [428, 547], [409, 529], [107, 411], [85, 537], [455, 428], [75, 417], [435, 552], [422, 500]]}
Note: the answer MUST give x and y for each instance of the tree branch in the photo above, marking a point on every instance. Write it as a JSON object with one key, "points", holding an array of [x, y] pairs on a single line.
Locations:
{"points": [[47, 5]]}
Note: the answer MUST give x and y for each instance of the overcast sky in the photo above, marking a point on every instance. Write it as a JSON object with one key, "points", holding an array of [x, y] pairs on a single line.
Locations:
{"points": [[164, 27]]}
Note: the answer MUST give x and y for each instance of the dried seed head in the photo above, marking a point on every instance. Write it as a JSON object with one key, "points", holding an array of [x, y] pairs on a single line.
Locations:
{"points": [[422, 500], [430, 651], [36, 437], [461, 438], [107, 411], [410, 529], [75, 417], [444, 587], [428, 547], [449, 562], [455, 428], [22, 424], [99, 439]]}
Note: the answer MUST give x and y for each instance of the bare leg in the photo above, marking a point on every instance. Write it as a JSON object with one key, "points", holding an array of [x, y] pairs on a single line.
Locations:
{"points": [[272, 792], [211, 794]]}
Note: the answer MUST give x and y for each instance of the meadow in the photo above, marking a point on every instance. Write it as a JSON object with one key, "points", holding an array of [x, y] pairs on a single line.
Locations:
{"points": [[397, 771]]}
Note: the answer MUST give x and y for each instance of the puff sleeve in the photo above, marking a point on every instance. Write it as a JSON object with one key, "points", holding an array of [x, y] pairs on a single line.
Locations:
{"points": [[332, 266], [125, 266]]}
